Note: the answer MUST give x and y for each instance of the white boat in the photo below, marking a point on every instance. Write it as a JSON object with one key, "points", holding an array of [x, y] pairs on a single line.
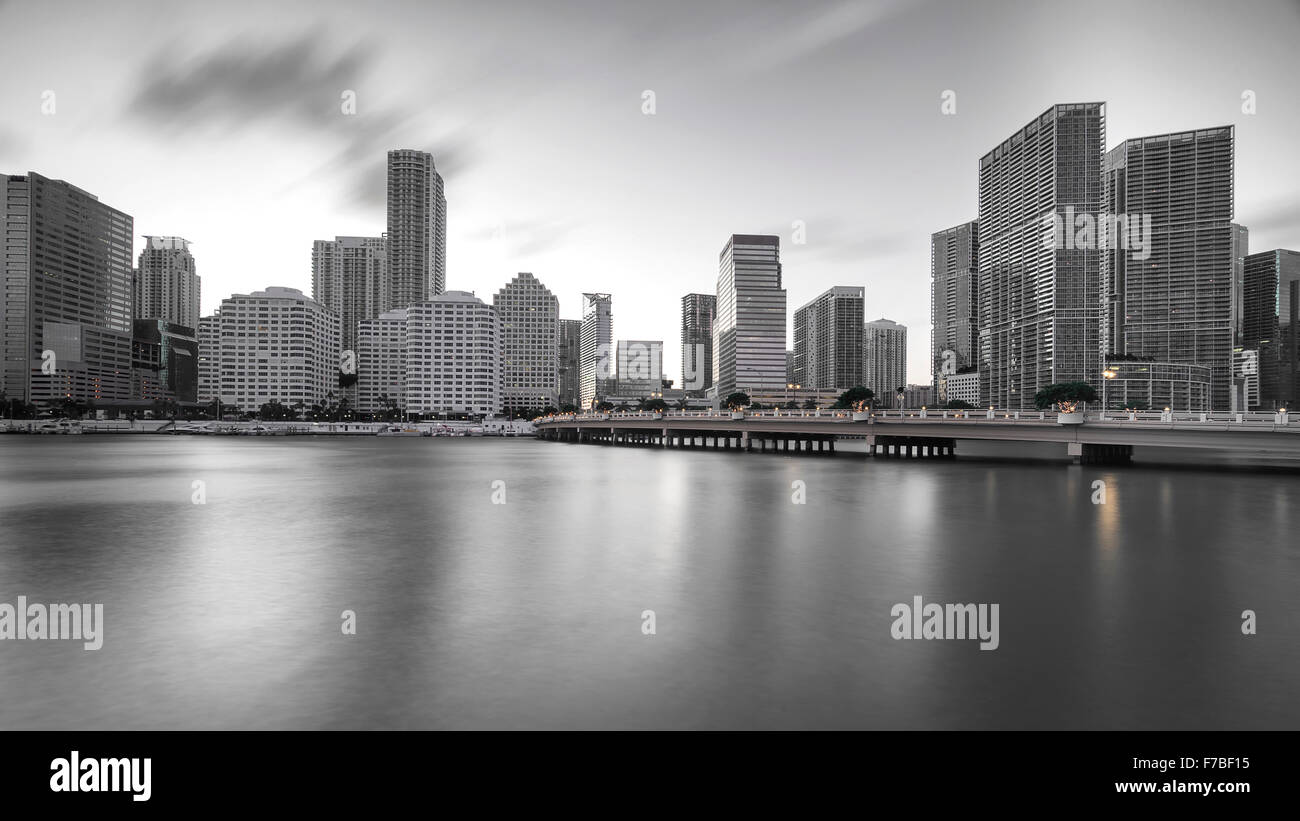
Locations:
{"points": [[476, 431], [64, 426]]}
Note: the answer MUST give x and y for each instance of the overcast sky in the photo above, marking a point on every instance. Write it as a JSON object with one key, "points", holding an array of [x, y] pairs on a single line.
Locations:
{"points": [[221, 123]]}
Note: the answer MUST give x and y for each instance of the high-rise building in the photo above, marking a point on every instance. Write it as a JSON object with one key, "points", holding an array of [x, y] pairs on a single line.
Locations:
{"points": [[750, 323], [530, 356], [884, 360], [697, 342], [1167, 271], [166, 284], [1038, 295], [210, 358], [381, 362], [417, 229], [1271, 324], [570, 346], [453, 357], [954, 304], [828, 340], [349, 275], [65, 293], [640, 367], [596, 366], [277, 345], [1240, 250], [164, 361]]}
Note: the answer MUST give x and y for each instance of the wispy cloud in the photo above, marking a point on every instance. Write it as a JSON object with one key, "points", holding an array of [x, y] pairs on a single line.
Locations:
{"points": [[297, 86]]}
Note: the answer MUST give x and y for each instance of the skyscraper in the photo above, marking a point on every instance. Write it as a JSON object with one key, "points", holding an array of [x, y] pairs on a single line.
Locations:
{"points": [[530, 359], [166, 282], [954, 303], [349, 275], [417, 229], [596, 367], [1168, 275], [65, 307], [697, 341], [453, 357], [1038, 306], [749, 326], [570, 345], [884, 360], [828, 340], [1271, 324]]}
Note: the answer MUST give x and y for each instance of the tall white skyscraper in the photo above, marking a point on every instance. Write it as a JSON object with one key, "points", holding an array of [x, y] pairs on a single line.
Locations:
{"points": [[276, 345], [1039, 300], [453, 357], [828, 340], [166, 284], [749, 326], [884, 360], [349, 275], [596, 366], [417, 229], [530, 361]]}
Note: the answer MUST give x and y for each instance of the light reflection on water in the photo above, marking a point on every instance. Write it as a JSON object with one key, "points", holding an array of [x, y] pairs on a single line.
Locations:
{"points": [[528, 614]]}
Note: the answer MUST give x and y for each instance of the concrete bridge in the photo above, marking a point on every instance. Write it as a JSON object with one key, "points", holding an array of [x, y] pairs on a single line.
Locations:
{"points": [[1091, 438]]}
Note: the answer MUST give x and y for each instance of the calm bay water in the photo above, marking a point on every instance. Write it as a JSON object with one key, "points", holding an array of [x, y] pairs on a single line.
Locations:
{"points": [[528, 614]]}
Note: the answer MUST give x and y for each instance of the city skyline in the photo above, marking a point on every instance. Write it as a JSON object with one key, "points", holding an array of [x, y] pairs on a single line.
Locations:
{"points": [[562, 197]]}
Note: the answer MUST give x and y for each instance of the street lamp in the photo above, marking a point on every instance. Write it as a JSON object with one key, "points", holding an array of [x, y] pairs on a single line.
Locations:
{"points": [[1109, 374]]}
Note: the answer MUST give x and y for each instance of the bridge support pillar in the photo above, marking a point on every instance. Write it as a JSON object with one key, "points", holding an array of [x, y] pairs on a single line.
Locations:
{"points": [[1102, 454]]}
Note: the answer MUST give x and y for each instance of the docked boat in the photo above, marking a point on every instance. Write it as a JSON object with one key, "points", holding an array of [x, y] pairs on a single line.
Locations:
{"points": [[402, 430]]}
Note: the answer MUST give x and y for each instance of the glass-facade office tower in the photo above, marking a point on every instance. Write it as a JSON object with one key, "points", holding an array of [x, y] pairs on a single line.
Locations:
{"points": [[417, 229], [1169, 296], [66, 288], [749, 326], [570, 345], [640, 367], [164, 361], [1271, 324], [697, 342], [167, 283], [596, 366], [884, 359], [954, 304], [530, 358], [828, 340], [1038, 301], [349, 275]]}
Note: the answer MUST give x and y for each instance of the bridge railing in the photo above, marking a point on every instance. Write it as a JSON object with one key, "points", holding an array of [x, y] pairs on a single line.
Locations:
{"points": [[994, 415]]}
